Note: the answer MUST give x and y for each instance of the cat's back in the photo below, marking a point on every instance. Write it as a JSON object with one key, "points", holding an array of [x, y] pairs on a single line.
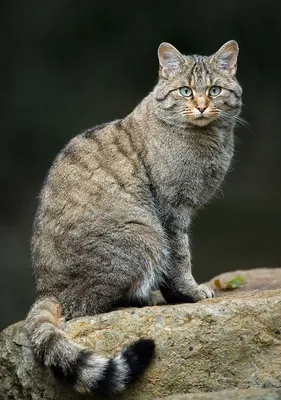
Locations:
{"points": [[98, 172], [101, 153]]}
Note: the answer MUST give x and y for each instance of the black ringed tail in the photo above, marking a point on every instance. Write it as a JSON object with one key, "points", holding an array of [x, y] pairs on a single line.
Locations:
{"points": [[77, 367]]}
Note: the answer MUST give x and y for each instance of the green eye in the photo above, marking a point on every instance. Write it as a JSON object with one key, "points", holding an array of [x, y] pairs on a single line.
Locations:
{"points": [[186, 91], [214, 91]]}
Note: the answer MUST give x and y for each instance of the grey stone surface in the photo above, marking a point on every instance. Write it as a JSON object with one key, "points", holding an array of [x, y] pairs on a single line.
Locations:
{"points": [[248, 394], [231, 341]]}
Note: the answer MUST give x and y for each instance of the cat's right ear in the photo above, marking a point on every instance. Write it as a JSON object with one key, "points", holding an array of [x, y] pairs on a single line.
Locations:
{"points": [[170, 60]]}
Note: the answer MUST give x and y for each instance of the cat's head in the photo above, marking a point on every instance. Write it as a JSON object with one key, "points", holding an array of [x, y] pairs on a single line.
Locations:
{"points": [[195, 89]]}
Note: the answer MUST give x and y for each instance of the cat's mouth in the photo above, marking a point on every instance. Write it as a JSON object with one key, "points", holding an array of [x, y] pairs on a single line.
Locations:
{"points": [[203, 119]]}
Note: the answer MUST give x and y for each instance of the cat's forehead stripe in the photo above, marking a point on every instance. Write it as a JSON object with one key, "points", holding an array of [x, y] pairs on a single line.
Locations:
{"points": [[199, 73]]}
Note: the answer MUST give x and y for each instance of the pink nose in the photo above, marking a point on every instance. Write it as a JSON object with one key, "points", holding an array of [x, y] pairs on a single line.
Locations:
{"points": [[201, 108]]}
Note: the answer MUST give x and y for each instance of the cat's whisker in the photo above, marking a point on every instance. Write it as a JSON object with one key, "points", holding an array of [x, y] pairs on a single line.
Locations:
{"points": [[239, 120]]}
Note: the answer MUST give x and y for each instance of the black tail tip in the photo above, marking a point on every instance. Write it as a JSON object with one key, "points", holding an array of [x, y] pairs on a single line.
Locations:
{"points": [[143, 348], [138, 356]]}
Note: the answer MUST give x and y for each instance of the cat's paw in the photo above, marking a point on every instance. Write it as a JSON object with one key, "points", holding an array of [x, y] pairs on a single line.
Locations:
{"points": [[201, 292], [190, 295]]}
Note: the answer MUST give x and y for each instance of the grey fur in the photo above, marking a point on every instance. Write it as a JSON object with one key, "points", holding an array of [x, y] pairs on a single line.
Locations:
{"points": [[114, 213]]}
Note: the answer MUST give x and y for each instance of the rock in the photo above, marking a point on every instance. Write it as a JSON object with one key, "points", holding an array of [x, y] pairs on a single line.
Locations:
{"points": [[230, 342], [248, 394], [256, 279]]}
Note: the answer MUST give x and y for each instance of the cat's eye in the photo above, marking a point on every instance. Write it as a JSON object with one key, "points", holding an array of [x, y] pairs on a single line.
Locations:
{"points": [[214, 91], [186, 91]]}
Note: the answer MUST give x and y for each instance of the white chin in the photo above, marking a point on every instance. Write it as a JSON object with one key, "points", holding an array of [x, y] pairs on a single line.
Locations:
{"points": [[201, 121]]}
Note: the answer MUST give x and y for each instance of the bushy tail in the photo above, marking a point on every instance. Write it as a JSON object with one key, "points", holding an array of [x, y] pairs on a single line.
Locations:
{"points": [[76, 366]]}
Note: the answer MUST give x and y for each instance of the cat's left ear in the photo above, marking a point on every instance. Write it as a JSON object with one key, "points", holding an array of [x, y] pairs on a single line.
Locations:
{"points": [[170, 60], [227, 56]]}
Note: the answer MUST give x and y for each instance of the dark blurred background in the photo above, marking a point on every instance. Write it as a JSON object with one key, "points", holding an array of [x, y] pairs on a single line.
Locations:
{"points": [[68, 65]]}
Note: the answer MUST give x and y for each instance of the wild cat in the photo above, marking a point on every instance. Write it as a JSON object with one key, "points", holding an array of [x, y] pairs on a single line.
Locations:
{"points": [[114, 213]]}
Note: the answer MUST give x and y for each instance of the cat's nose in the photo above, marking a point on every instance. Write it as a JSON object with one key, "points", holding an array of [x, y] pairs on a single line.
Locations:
{"points": [[201, 107]]}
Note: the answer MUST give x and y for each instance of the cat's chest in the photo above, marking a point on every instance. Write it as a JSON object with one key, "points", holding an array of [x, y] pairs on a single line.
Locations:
{"points": [[190, 174]]}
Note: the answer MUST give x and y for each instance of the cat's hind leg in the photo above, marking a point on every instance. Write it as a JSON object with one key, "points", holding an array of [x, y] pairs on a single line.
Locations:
{"points": [[123, 265]]}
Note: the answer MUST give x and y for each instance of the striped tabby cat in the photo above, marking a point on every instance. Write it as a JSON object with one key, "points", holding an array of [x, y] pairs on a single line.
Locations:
{"points": [[114, 213]]}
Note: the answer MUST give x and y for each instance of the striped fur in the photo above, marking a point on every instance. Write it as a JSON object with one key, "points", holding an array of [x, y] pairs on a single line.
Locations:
{"points": [[77, 367], [115, 210]]}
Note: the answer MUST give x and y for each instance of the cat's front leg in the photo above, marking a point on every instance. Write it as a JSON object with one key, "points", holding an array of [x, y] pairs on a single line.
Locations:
{"points": [[180, 284]]}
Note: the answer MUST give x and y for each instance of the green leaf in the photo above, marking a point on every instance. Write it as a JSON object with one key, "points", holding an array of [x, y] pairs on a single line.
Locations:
{"points": [[235, 282]]}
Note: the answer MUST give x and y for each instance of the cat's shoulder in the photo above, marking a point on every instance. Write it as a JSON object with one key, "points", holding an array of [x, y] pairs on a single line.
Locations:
{"points": [[91, 133]]}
